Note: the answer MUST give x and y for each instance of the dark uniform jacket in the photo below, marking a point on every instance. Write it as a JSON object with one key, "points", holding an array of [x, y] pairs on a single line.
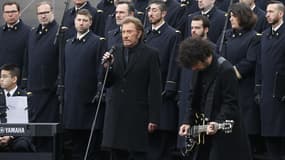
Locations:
{"points": [[107, 6], [166, 40], [135, 99], [97, 21], [214, 93], [42, 73], [241, 48], [82, 58], [43, 58], [217, 21], [272, 61], [14, 44], [114, 37]]}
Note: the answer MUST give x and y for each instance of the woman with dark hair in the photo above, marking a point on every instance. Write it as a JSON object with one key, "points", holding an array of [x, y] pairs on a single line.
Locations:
{"points": [[241, 46]]}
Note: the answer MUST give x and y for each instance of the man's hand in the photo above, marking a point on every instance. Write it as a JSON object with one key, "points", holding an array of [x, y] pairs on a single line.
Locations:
{"points": [[5, 140], [151, 127], [107, 59], [184, 129], [212, 128]]}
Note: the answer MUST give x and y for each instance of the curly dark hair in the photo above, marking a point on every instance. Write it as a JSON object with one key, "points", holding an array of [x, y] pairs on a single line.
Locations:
{"points": [[194, 50], [246, 17]]}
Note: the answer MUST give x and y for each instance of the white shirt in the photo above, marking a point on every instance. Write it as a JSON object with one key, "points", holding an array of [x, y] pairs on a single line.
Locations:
{"points": [[11, 92]]}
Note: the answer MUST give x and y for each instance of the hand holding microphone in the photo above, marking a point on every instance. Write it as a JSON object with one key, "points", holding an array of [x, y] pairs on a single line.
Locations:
{"points": [[108, 57]]}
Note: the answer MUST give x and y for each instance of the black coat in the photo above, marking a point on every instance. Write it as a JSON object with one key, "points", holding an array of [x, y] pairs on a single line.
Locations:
{"points": [[42, 73], [82, 59], [166, 40], [14, 44], [217, 21], [98, 21], [272, 61], [241, 49], [134, 101], [224, 106]]}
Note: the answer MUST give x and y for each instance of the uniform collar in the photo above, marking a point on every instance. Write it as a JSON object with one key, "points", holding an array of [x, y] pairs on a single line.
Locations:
{"points": [[209, 12], [12, 91], [13, 27], [82, 6], [43, 30], [157, 27]]}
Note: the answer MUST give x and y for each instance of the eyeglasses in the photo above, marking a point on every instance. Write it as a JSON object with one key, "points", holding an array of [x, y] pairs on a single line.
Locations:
{"points": [[42, 13], [13, 11]]}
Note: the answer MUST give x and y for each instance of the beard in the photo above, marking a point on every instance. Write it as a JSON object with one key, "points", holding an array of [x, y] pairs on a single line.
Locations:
{"points": [[155, 21], [274, 21]]}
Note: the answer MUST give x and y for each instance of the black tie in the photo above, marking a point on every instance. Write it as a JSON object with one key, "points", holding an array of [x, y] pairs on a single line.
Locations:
{"points": [[8, 94]]}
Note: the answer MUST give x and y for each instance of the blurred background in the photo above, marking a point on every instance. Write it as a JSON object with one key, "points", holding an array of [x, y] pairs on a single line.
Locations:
{"points": [[28, 9]]}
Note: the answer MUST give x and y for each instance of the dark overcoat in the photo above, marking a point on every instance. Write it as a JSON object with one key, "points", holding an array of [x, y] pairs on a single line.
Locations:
{"points": [[82, 58], [224, 106], [14, 44], [272, 61], [134, 101], [42, 73], [166, 40], [240, 48]]}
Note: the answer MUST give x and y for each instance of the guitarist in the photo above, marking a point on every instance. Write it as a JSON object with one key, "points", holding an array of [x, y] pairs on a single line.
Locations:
{"points": [[214, 93]]}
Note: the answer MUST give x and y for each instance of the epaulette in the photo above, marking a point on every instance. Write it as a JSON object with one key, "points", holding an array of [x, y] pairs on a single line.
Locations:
{"points": [[140, 13], [177, 31], [29, 93], [102, 38], [100, 11], [226, 14], [259, 34]]}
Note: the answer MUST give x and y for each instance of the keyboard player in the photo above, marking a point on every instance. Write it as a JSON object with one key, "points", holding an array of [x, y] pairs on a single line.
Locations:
{"points": [[8, 81]]}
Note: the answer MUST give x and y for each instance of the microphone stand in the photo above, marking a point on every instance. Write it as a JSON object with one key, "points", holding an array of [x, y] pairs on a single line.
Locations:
{"points": [[59, 39], [97, 111], [225, 28]]}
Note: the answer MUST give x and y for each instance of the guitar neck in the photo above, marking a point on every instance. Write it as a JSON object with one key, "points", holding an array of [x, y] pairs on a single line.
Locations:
{"points": [[198, 129]]}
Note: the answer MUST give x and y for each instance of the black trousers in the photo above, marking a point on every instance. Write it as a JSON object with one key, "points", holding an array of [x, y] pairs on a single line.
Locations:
{"points": [[127, 155], [78, 143], [275, 147], [162, 145]]}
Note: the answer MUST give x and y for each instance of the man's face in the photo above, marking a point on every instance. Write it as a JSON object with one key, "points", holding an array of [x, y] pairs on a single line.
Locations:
{"points": [[200, 66], [205, 4], [45, 15], [121, 13], [78, 3], [273, 15], [7, 81], [11, 14], [130, 35], [82, 23], [155, 15], [197, 29]]}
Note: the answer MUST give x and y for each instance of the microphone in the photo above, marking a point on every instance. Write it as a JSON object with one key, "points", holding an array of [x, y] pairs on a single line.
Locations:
{"points": [[111, 51]]}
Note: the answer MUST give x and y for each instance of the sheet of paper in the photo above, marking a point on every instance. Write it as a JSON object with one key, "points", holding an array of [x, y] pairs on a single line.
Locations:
{"points": [[17, 111]]}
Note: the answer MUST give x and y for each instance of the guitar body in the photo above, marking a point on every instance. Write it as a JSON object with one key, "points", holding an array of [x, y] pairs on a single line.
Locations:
{"points": [[197, 132]]}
